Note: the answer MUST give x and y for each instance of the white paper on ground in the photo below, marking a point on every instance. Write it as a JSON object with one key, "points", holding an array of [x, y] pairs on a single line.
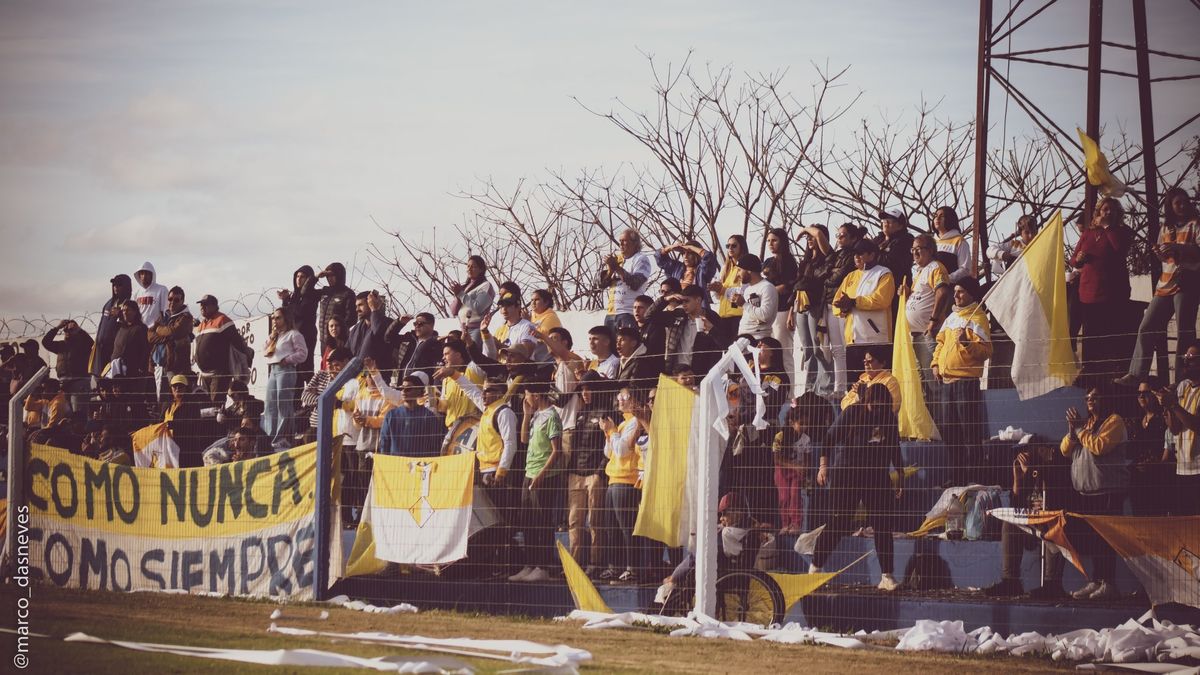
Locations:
{"points": [[516, 651], [290, 657], [1149, 641], [360, 606]]}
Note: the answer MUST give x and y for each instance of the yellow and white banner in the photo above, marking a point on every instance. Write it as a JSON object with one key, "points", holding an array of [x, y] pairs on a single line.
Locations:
{"points": [[1030, 301], [1164, 553], [418, 512], [243, 528], [1049, 526]]}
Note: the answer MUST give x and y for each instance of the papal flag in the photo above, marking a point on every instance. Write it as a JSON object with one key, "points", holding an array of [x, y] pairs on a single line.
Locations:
{"points": [[1096, 165], [1164, 553], [660, 515], [1030, 301], [153, 446], [417, 512], [915, 420], [1049, 526]]}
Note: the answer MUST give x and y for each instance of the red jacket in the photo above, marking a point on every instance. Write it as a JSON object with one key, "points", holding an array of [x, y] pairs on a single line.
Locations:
{"points": [[1100, 256]]}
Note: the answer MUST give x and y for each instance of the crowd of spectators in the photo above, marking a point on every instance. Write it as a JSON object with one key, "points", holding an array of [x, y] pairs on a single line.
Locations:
{"points": [[561, 423]]}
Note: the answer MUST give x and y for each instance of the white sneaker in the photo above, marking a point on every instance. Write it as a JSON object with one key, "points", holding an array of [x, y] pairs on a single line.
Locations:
{"points": [[520, 576], [888, 583], [813, 569], [1086, 592], [1106, 591], [538, 574]]}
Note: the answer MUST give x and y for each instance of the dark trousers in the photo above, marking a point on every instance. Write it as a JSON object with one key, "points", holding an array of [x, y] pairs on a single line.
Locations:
{"points": [[1102, 353], [1187, 496], [871, 487], [1104, 567], [623, 501], [495, 543], [1014, 542], [963, 427], [538, 518]]}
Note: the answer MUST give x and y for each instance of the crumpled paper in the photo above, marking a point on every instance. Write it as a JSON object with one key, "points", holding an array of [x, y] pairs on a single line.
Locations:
{"points": [[360, 606], [1014, 434]]}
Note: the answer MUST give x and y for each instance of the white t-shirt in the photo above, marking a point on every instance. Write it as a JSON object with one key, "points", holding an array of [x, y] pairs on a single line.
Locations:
{"points": [[919, 307], [620, 295]]}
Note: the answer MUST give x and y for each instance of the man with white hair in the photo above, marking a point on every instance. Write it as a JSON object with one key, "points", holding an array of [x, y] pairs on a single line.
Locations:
{"points": [[625, 275]]}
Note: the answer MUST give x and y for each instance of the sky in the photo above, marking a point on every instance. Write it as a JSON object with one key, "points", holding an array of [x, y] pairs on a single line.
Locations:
{"points": [[231, 142]]}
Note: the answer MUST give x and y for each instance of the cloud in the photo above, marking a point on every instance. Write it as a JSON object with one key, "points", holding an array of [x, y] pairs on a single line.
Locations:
{"points": [[135, 234]]}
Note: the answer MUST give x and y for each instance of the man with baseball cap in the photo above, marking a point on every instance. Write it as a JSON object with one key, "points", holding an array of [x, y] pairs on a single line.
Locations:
{"points": [[219, 345], [758, 299], [865, 301]]}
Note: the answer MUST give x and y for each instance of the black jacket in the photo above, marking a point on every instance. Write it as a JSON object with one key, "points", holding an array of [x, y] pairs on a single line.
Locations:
{"points": [[337, 300], [133, 348], [73, 351]]}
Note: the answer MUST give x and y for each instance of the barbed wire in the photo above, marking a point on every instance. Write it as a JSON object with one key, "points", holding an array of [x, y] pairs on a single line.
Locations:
{"points": [[245, 306]]}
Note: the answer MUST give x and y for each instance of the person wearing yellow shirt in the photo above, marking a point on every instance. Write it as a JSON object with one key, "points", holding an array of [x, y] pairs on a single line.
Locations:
{"points": [[541, 311], [729, 285], [864, 300], [624, 459], [1096, 446], [876, 361], [926, 307], [964, 343]]}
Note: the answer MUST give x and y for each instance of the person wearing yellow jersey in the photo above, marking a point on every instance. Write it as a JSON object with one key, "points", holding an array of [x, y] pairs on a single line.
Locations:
{"points": [[950, 240], [963, 344], [541, 311], [625, 275], [624, 496], [864, 300], [452, 401], [926, 307], [1096, 447], [728, 285], [876, 361]]}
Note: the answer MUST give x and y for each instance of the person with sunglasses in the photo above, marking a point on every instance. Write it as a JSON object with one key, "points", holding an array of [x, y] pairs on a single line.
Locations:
{"points": [[729, 285], [417, 350]]}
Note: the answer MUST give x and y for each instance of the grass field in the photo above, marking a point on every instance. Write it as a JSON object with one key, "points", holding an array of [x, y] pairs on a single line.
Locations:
{"points": [[232, 623]]}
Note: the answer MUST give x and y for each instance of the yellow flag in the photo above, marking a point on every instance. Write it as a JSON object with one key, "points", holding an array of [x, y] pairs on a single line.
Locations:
{"points": [[1030, 301], [796, 586], [915, 421], [1097, 167], [362, 554], [659, 515], [586, 597]]}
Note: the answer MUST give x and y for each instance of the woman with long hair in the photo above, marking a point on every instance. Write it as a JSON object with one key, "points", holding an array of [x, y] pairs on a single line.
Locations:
{"points": [[285, 351], [624, 485], [473, 298], [782, 270], [808, 305], [870, 443], [339, 338], [1103, 287], [1177, 292], [729, 285]]}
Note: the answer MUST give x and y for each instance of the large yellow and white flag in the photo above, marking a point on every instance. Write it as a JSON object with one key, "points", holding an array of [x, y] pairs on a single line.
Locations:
{"points": [[1164, 553], [661, 513], [1030, 301], [915, 420], [418, 511]]}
